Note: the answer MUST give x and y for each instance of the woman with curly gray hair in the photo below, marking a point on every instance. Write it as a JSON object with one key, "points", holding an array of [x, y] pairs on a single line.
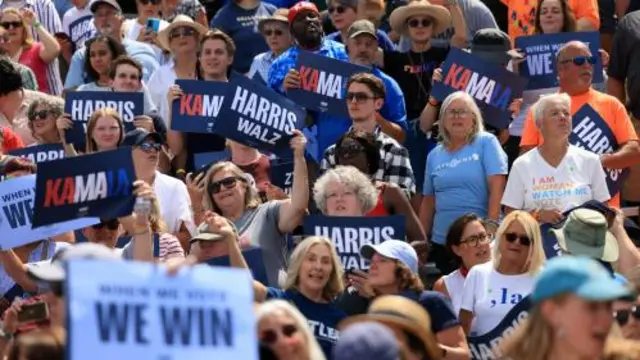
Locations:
{"points": [[42, 114], [344, 191]]}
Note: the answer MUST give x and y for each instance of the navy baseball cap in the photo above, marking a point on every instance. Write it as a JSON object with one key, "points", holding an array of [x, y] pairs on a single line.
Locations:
{"points": [[393, 249], [367, 340], [578, 275], [137, 136]]}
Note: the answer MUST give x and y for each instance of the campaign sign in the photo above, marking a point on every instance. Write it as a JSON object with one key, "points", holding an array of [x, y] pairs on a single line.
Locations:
{"points": [[348, 234], [81, 30], [492, 87], [207, 159], [40, 153], [253, 258], [81, 104], [124, 240], [17, 196], [281, 174], [487, 346], [256, 116], [134, 310], [97, 185], [323, 83], [540, 62], [591, 132], [198, 108]]}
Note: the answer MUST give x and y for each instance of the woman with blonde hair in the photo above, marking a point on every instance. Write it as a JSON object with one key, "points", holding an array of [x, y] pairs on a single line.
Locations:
{"points": [[283, 329], [493, 288], [571, 317], [105, 131], [21, 47]]}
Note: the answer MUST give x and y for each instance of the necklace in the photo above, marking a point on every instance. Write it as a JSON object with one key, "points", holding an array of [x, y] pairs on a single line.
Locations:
{"points": [[419, 75]]}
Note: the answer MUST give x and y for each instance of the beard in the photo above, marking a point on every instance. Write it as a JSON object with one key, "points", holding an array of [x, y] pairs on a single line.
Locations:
{"points": [[309, 40]]}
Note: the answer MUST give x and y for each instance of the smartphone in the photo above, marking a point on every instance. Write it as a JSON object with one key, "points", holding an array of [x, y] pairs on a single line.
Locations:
{"points": [[153, 24], [35, 312], [349, 272]]}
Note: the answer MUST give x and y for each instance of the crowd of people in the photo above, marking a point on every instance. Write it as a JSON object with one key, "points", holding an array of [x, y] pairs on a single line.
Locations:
{"points": [[529, 230]]}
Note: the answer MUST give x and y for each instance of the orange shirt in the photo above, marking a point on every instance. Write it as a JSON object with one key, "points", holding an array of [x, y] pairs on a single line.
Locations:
{"points": [[522, 14], [607, 106]]}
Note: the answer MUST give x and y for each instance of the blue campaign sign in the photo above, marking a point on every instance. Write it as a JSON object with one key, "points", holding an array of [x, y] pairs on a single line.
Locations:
{"points": [[253, 258], [281, 174], [493, 87], [322, 83], [540, 63], [96, 185], [591, 132], [134, 310], [124, 240], [207, 159], [81, 104], [198, 108], [16, 215], [40, 153], [256, 116], [487, 346], [350, 233]]}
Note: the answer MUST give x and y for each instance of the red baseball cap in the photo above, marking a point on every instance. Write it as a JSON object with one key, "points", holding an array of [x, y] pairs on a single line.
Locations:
{"points": [[300, 7]]}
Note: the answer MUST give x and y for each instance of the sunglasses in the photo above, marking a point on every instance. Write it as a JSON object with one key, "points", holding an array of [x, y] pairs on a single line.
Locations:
{"points": [[414, 23], [185, 31], [152, 2], [275, 32], [110, 224], [11, 24], [358, 97], [580, 60], [147, 146], [511, 237], [336, 9], [41, 115], [228, 183], [623, 316], [269, 337]]}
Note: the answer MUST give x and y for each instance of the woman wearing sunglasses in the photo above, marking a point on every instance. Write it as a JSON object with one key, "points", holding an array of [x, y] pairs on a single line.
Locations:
{"points": [[627, 313], [542, 181], [42, 114], [469, 243], [493, 288], [100, 51]]}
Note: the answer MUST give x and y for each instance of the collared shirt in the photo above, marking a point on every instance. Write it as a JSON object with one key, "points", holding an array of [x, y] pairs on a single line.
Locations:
{"points": [[47, 15], [260, 66], [159, 84], [395, 166], [20, 124]]}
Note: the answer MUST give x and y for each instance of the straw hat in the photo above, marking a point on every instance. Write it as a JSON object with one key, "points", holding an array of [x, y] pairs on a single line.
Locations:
{"points": [[438, 13], [281, 15], [398, 311], [179, 21]]}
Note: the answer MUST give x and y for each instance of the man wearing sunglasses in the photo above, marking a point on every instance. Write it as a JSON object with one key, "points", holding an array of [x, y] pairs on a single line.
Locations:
{"points": [[343, 13], [574, 63], [108, 19]]}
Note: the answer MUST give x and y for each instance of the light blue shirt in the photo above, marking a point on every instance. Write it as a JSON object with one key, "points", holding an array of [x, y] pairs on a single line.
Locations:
{"points": [[143, 53], [459, 180]]}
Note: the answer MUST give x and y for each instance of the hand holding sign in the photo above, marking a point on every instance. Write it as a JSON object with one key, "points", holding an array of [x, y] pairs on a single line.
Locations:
{"points": [[292, 80], [144, 122], [298, 143], [64, 123]]}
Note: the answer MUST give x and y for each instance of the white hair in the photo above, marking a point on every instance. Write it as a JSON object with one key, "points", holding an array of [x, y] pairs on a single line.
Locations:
{"points": [[271, 307], [352, 179], [543, 103], [478, 122]]}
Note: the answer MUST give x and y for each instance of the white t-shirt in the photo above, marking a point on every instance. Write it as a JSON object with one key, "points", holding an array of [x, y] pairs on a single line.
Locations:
{"points": [[78, 24], [534, 184], [454, 283], [175, 204], [490, 295]]}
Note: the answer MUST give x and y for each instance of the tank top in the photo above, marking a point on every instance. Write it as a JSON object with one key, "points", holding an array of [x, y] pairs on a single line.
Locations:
{"points": [[454, 283], [379, 209]]}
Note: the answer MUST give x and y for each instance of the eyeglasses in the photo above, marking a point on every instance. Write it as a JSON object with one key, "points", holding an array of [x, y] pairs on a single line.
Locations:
{"points": [[623, 316], [475, 240], [109, 224], [11, 24], [336, 9], [41, 115], [580, 60], [458, 113], [358, 97], [414, 23], [269, 337], [147, 146], [512, 237], [180, 32], [228, 183], [153, 2], [274, 32]]}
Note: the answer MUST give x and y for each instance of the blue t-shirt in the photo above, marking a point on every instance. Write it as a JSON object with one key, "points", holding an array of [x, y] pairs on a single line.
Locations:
{"points": [[383, 39], [242, 26], [459, 180], [438, 306], [323, 318]]}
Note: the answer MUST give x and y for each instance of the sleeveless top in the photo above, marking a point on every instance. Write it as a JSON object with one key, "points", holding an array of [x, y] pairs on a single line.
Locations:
{"points": [[454, 283], [379, 209]]}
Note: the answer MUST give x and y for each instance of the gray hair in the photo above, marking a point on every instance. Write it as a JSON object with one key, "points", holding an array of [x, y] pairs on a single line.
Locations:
{"points": [[540, 106], [570, 44], [478, 122], [52, 103], [351, 178]]}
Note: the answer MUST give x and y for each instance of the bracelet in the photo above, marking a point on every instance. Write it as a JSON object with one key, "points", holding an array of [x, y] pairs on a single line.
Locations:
{"points": [[36, 24]]}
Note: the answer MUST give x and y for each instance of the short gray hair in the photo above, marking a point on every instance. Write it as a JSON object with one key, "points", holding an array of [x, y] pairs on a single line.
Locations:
{"points": [[540, 106], [351, 178], [52, 103], [478, 123]]}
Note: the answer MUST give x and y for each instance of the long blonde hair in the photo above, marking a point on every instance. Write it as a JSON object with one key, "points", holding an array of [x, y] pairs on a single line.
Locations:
{"points": [[537, 257], [251, 197], [334, 285], [27, 36]]}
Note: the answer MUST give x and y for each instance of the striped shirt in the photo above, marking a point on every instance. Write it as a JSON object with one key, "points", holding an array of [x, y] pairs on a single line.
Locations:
{"points": [[47, 15], [170, 247]]}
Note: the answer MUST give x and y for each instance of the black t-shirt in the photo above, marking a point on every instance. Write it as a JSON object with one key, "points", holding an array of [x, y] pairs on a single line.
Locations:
{"points": [[413, 72], [624, 64]]}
